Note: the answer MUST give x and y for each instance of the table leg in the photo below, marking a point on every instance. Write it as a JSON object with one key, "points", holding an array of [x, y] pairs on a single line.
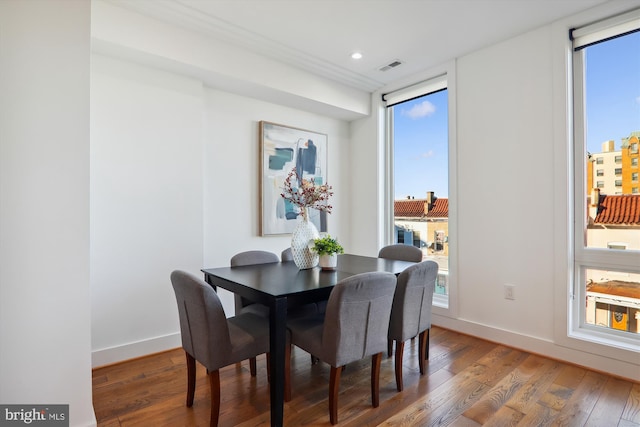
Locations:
{"points": [[207, 279], [278, 342]]}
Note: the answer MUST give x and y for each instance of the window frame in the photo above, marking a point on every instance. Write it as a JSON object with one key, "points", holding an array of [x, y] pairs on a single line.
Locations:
{"points": [[582, 257], [447, 307]]}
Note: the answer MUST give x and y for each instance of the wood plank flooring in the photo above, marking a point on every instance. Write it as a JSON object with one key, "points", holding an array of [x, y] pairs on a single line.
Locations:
{"points": [[469, 382]]}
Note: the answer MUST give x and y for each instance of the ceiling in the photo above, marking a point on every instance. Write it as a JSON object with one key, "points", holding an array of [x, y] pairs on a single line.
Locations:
{"points": [[319, 36]]}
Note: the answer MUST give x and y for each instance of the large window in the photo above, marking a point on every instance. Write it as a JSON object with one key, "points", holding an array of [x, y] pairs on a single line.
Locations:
{"points": [[606, 281], [418, 118]]}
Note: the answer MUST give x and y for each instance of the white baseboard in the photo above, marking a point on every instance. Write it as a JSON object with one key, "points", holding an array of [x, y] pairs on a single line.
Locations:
{"points": [[108, 356], [93, 422], [541, 346]]}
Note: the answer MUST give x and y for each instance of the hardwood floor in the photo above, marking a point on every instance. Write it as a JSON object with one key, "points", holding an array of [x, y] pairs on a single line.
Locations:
{"points": [[469, 382]]}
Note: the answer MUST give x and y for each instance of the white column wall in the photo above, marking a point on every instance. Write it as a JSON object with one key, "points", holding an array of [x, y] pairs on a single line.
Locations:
{"points": [[505, 207], [45, 342], [366, 181]]}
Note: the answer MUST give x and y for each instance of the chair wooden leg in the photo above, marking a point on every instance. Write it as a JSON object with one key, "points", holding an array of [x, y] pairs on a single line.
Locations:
{"points": [[375, 379], [399, 356], [334, 388], [426, 353], [422, 351], [287, 373], [214, 383], [252, 366], [191, 379], [389, 347]]}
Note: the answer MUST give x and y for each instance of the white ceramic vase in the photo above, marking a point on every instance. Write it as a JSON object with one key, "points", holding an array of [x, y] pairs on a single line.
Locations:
{"points": [[328, 262], [302, 235]]}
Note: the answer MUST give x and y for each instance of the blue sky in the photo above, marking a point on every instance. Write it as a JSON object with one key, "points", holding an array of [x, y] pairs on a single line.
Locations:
{"points": [[613, 91], [613, 112], [420, 154]]}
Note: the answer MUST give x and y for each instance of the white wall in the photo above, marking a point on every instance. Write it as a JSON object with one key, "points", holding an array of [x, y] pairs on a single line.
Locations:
{"points": [[45, 350], [366, 185], [504, 140], [146, 204]]}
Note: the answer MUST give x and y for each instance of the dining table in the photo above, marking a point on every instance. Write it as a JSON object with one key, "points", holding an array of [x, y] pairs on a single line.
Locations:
{"points": [[282, 285]]}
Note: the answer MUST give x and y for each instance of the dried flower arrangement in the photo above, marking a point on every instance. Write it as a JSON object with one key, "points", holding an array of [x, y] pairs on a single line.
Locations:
{"points": [[304, 193]]}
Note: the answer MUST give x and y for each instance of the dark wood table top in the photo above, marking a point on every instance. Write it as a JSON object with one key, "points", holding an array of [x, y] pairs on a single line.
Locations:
{"points": [[265, 281]]}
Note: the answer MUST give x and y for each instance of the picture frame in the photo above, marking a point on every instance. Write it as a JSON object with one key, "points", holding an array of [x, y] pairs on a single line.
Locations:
{"points": [[283, 148]]}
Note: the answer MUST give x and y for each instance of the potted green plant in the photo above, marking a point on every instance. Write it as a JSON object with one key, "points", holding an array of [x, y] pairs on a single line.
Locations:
{"points": [[328, 249]]}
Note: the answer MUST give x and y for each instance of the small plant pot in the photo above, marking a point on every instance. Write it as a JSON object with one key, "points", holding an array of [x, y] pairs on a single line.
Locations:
{"points": [[328, 262]]}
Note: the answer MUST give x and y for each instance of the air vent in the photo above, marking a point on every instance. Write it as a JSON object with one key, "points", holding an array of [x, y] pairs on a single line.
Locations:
{"points": [[392, 64]]}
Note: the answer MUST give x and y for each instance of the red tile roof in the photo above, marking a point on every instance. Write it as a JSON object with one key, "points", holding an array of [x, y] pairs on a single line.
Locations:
{"points": [[414, 208], [440, 209], [619, 209]]}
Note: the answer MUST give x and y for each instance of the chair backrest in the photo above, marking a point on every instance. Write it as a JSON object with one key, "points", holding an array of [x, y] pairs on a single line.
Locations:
{"points": [[401, 252], [411, 311], [203, 324], [250, 258], [286, 255], [357, 317], [253, 257]]}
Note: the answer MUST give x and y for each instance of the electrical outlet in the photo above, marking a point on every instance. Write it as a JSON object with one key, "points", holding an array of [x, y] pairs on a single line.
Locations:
{"points": [[510, 292]]}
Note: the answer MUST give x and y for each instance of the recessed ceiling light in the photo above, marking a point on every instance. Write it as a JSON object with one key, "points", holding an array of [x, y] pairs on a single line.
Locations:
{"points": [[356, 55]]}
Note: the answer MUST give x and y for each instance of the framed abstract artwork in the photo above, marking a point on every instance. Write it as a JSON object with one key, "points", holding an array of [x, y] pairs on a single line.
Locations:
{"points": [[282, 149]]}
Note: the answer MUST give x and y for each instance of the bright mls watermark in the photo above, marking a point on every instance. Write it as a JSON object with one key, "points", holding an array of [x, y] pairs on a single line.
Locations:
{"points": [[34, 415]]}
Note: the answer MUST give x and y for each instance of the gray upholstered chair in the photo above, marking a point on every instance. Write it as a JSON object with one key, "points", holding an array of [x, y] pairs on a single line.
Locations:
{"points": [[354, 326], [411, 312], [252, 258], [320, 306], [212, 339], [286, 255], [401, 252], [243, 305]]}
